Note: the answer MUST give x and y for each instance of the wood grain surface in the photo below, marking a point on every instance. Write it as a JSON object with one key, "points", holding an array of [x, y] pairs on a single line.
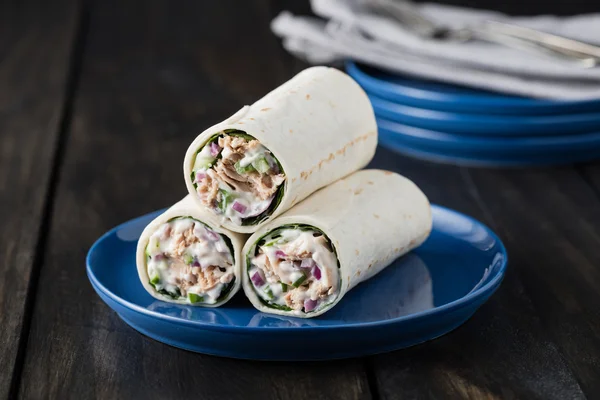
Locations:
{"points": [[98, 103], [148, 85], [506, 350], [35, 47]]}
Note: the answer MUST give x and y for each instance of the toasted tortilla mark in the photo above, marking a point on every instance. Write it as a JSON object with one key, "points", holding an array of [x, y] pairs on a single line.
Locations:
{"points": [[370, 265], [387, 172], [266, 109], [376, 216], [293, 179], [358, 191], [252, 119], [370, 182], [412, 242], [396, 250], [291, 131], [308, 97], [357, 252], [303, 175], [240, 123], [343, 150], [358, 273]]}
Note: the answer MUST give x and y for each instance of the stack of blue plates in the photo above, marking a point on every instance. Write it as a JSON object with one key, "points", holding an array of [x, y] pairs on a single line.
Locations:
{"points": [[453, 124]]}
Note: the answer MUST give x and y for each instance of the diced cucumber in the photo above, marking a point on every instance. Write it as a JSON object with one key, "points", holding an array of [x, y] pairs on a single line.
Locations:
{"points": [[261, 165], [243, 170], [203, 163], [194, 298], [188, 259], [269, 293], [155, 279], [299, 281], [272, 242], [284, 287], [226, 198]]}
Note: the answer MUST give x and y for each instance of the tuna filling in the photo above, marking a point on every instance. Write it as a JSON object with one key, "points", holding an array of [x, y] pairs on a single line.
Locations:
{"points": [[238, 178], [295, 269], [186, 260]]}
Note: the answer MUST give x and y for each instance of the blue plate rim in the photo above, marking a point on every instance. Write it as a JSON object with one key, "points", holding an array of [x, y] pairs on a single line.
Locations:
{"points": [[383, 106], [524, 104], [442, 157], [488, 288], [533, 142]]}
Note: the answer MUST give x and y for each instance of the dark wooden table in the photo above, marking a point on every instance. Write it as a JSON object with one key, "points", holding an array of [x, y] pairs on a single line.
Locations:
{"points": [[98, 102]]}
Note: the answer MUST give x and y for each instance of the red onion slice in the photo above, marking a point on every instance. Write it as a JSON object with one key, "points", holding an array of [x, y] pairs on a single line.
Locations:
{"points": [[280, 254], [309, 305], [199, 177], [316, 272], [212, 235], [257, 279], [307, 263], [195, 263], [239, 207], [159, 257], [214, 149]]}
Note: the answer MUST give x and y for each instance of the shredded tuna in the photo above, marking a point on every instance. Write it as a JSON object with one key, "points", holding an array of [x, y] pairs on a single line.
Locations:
{"points": [[208, 277], [295, 298], [208, 189], [263, 186], [166, 233], [302, 261], [184, 240], [189, 276], [270, 270]]}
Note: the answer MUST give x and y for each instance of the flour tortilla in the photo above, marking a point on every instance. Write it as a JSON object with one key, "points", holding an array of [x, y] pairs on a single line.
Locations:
{"points": [[188, 208], [319, 125], [371, 217]]}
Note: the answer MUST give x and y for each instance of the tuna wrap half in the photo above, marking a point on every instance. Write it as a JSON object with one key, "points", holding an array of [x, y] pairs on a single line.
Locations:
{"points": [[185, 257], [304, 262], [311, 131]]}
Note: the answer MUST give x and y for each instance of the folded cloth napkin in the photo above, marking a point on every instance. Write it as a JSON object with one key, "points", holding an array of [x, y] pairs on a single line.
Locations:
{"points": [[350, 30]]}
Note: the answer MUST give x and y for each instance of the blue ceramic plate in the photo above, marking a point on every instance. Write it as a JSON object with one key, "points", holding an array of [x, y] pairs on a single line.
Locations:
{"points": [[423, 295], [486, 125], [549, 147], [416, 92], [435, 152]]}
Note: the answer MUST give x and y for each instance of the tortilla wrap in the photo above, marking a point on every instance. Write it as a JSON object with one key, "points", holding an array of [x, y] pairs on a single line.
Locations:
{"points": [[319, 126], [187, 209], [370, 218]]}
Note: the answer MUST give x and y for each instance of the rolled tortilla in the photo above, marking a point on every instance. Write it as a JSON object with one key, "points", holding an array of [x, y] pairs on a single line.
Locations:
{"points": [[303, 262], [309, 132], [185, 257]]}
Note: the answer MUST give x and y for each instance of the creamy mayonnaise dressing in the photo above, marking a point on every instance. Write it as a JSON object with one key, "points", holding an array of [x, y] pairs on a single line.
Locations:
{"points": [[233, 204], [295, 269], [187, 260]]}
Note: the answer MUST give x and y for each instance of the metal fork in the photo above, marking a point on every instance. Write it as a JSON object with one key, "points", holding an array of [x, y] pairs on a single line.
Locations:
{"points": [[583, 54]]}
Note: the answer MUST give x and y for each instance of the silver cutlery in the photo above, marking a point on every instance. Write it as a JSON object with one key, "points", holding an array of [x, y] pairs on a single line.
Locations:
{"points": [[583, 54]]}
